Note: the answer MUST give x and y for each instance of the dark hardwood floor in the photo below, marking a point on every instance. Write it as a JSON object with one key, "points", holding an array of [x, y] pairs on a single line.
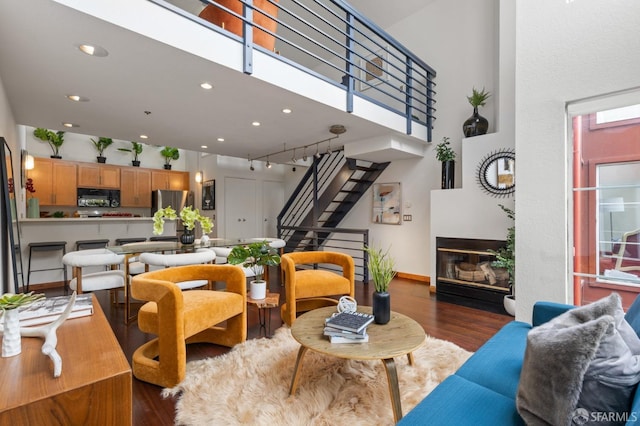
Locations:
{"points": [[466, 327]]}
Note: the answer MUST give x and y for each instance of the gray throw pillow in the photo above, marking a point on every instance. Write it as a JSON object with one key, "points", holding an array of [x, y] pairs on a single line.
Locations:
{"points": [[585, 361]]}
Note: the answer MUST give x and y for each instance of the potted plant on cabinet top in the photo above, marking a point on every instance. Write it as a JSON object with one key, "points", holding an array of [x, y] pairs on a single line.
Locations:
{"points": [[101, 144], [188, 215], [446, 155], [169, 153], [506, 258], [54, 139], [136, 150], [255, 256], [476, 124], [381, 268], [9, 304]]}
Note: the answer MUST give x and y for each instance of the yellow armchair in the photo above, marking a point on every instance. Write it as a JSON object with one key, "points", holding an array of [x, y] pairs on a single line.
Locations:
{"points": [[308, 289], [180, 317]]}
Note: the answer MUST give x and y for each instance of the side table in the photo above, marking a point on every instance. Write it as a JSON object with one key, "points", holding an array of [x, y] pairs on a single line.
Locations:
{"points": [[272, 300]]}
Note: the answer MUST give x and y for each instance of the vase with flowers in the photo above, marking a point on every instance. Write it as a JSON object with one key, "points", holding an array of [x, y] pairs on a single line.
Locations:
{"points": [[33, 204], [188, 215]]}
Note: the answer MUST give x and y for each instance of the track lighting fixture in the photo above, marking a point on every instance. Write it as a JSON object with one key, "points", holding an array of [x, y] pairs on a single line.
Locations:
{"points": [[268, 163], [329, 148], [304, 154], [317, 154], [294, 159], [251, 166]]}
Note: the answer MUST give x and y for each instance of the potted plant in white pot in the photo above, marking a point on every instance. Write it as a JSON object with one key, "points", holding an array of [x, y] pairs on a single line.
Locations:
{"points": [[381, 268], [9, 304], [446, 155], [189, 216], [101, 144], [506, 258], [476, 124], [136, 150], [256, 256]]}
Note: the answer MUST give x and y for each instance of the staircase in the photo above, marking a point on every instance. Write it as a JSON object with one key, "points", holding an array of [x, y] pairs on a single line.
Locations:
{"points": [[324, 196]]}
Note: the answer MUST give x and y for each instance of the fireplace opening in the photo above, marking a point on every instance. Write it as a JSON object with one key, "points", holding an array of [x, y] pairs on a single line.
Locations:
{"points": [[465, 275]]}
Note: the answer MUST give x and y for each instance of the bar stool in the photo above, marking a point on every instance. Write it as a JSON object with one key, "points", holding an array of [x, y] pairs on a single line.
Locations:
{"points": [[163, 238], [46, 247], [91, 244], [18, 254]]}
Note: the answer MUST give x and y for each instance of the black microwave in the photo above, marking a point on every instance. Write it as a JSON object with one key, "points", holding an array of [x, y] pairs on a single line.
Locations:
{"points": [[93, 197]]}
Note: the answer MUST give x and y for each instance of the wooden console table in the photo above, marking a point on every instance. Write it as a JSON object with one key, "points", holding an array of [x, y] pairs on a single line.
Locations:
{"points": [[94, 388]]}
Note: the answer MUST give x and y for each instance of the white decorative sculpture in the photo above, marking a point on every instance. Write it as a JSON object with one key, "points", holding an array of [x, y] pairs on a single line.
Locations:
{"points": [[48, 332]]}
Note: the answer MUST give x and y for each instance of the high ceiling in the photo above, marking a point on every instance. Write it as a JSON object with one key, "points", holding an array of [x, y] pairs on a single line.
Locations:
{"points": [[147, 87]]}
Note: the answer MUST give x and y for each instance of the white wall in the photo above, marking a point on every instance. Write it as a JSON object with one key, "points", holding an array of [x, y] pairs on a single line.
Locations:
{"points": [[565, 51]]}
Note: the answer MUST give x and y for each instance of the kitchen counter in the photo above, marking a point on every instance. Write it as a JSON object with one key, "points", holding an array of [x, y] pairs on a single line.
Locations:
{"points": [[87, 219]]}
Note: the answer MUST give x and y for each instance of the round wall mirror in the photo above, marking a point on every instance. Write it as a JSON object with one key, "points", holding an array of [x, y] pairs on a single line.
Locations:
{"points": [[496, 173]]}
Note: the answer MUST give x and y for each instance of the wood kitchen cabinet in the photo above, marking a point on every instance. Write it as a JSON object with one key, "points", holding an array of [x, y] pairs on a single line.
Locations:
{"points": [[54, 181], [98, 176], [165, 179], [135, 187]]}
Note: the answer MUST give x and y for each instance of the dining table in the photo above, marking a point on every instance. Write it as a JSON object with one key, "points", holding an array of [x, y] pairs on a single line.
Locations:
{"points": [[133, 250]]}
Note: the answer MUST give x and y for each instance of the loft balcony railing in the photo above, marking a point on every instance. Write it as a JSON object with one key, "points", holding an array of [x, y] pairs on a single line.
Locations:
{"points": [[332, 41]]}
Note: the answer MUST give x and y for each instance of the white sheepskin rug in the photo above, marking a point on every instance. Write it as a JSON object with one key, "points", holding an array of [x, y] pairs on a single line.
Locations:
{"points": [[250, 385]]}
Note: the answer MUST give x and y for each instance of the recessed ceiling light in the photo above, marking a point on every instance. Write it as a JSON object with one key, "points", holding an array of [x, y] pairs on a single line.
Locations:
{"points": [[255, 123], [93, 50], [204, 146], [70, 125], [206, 86], [77, 98], [144, 137], [220, 139], [287, 110]]}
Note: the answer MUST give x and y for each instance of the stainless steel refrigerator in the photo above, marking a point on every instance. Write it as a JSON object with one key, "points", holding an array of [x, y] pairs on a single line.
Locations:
{"points": [[162, 198]]}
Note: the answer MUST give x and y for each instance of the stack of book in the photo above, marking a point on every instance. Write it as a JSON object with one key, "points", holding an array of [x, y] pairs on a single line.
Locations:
{"points": [[348, 327], [45, 311]]}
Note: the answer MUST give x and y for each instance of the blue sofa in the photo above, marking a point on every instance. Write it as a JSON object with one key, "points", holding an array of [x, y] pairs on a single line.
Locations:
{"points": [[483, 390]]}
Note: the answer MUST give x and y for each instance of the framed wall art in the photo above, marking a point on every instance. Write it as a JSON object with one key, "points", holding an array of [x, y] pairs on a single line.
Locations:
{"points": [[387, 203], [209, 195], [374, 69]]}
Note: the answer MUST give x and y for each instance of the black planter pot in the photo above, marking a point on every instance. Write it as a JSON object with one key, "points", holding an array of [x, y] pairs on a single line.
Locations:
{"points": [[167, 166], [448, 173], [135, 163], [381, 307], [475, 125], [102, 159], [188, 237]]}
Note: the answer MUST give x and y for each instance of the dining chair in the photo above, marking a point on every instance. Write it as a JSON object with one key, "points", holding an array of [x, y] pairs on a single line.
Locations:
{"points": [[181, 317], [308, 287], [201, 256], [112, 279]]}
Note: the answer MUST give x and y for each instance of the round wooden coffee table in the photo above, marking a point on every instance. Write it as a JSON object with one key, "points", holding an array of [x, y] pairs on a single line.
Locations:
{"points": [[399, 337]]}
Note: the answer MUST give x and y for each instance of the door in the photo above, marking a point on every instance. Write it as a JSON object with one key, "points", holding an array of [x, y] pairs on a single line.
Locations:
{"points": [[272, 202], [240, 208]]}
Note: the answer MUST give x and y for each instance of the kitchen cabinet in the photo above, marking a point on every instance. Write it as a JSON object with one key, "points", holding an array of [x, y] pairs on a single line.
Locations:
{"points": [[135, 187], [165, 179], [98, 176], [54, 181]]}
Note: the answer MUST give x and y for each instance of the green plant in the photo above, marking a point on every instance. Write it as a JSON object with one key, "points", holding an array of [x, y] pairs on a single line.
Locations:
{"points": [[101, 144], [188, 215], [170, 153], [136, 149], [506, 256], [444, 152], [54, 139], [478, 98], [58, 214], [381, 268], [12, 301], [255, 256]]}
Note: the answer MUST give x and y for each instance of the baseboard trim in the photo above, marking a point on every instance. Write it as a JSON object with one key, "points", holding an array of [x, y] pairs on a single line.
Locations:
{"points": [[414, 277]]}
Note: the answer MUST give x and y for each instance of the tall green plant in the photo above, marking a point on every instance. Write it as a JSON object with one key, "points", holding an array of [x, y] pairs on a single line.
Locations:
{"points": [[478, 97], [136, 150], [506, 256], [101, 144], [381, 268], [444, 152], [169, 153]]}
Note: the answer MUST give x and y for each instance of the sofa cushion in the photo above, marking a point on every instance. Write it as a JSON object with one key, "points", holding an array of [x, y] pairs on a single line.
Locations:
{"points": [[506, 349], [457, 401], [576, 359]]}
